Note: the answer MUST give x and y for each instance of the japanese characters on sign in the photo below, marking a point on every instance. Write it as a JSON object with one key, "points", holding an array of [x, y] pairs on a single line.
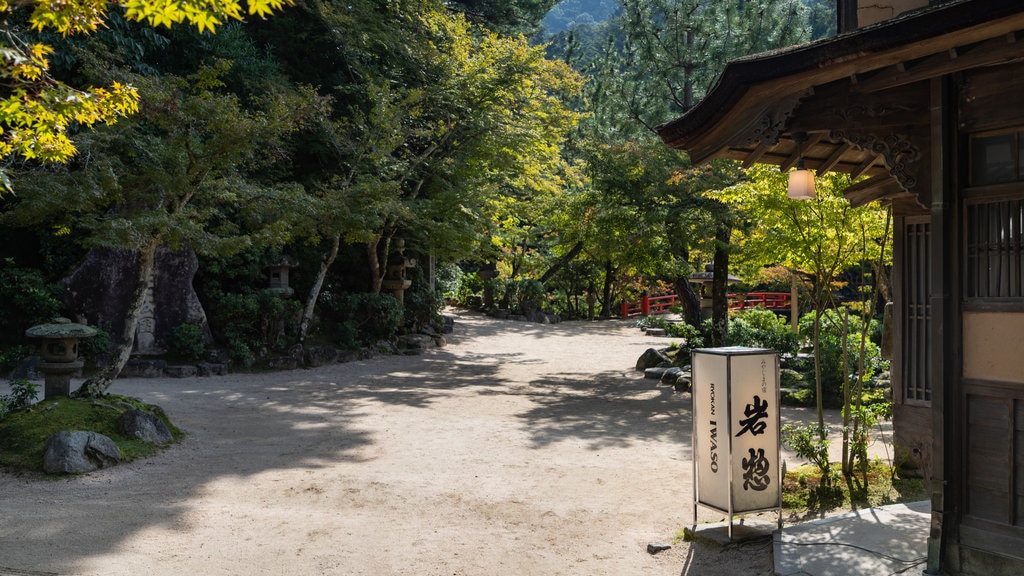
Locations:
{"points": [[736, 428]]}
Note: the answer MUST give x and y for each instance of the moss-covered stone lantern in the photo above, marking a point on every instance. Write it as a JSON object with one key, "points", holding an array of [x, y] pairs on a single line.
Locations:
{"points": [[58, 352]]}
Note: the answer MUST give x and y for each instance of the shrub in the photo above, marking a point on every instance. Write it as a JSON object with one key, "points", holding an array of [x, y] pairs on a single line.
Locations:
{"points": [[259, 320], [422, 305], [93, 348], [187, 342], [830, 353], [374, 316], [762, 328], [449, 280], [524, 296], [26, 299], [23, 393]]}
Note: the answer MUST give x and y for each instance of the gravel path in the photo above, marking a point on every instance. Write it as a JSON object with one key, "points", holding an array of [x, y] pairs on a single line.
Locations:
{"points": [[518, 449]]}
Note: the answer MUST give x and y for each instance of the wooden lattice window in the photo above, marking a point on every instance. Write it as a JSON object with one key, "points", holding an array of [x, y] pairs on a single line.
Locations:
{"points": [[994, 251], [915, 293]]}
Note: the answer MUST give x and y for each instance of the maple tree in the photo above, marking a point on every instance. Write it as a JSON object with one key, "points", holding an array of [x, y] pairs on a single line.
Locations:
{"points": [[37, 111]]}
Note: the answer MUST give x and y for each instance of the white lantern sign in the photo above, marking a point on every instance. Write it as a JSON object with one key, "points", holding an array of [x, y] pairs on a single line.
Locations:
{"points": [[736, 419]]}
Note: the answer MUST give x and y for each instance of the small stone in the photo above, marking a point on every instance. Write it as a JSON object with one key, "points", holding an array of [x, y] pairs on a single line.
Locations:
{"points": [[655, 547], [655, 331], [656, 373]]}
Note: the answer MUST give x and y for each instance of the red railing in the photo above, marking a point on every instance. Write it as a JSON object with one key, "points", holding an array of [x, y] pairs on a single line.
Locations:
{"points": [[661, 304], [649, 305], [770, 300]]}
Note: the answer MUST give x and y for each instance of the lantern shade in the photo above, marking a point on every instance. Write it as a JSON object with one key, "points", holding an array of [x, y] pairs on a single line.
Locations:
{"points": [[801, 185]]}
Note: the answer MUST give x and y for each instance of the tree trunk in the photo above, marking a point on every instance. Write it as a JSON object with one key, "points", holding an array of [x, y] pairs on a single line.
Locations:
{"points": [[561, 262], [95, 387], [847, 460], [314, 292], [606, 296], [720, 287], [689, 300], [378, 267]]}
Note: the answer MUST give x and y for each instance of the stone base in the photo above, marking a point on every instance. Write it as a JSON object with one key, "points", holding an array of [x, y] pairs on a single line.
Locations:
{"points": [[58, 377]]}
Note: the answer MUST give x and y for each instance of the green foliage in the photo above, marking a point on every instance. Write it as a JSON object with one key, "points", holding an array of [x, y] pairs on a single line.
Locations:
{"points": [[422, 305], [449, 280], [23, 394], [187, 342], [470, 290], [830, 354], [373, 317], [252, 322], [762, 328], [524, 296], [810, 442], [26, 431], [26, 299], [92, 349]]}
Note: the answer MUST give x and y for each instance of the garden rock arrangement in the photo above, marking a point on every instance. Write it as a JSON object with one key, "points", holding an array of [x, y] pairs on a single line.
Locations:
{"points": [[657, 365], [296, 357], [75, 452]]}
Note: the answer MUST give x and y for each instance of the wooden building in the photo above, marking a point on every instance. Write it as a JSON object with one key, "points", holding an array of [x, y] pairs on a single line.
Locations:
{"points": [[928, 107]]}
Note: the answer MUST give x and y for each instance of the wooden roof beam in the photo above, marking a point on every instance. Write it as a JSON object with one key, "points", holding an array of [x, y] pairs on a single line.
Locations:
{"points": [[812, 139], [755, 155], [995, 51], [863, 168], [834, 159], [875, 188]]}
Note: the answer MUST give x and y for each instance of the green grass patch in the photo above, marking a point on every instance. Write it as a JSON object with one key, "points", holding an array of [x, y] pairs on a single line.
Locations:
{"points": [[23, 433], [804, 495]]}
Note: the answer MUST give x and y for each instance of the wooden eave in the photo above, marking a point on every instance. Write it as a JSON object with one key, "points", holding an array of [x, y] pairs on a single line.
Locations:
{"points": [[854, 95]]}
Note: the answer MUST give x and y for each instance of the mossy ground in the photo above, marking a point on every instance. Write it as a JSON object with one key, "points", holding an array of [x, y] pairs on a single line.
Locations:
{"points": [[805, 496], [23, 433]]}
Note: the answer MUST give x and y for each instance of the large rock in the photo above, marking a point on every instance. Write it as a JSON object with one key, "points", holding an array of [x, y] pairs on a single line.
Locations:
{"points": [[101, 288], [75, 452], [135, 423], [652, 358]]}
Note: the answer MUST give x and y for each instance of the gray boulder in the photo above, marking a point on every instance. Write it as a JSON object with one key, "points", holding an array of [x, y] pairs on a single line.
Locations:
{"points": [[652, 358], [75, 452], [27, 369], [144, 368], [181, 371], [144, 426], [415, 341], [206, 369]]}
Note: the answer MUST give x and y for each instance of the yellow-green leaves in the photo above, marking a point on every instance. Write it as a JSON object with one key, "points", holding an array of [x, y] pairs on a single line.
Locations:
{"points": [[85, 16], [38, 110]]}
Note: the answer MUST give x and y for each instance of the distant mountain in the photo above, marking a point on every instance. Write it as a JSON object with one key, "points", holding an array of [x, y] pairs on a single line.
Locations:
{"points": [[569, 13]]}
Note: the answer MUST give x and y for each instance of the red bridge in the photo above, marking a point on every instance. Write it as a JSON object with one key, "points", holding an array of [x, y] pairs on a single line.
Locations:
{"points": [[649, 305]]}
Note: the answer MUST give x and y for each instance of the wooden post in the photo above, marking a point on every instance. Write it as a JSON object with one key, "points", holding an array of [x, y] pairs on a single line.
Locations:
{"points": [[794, 306]]}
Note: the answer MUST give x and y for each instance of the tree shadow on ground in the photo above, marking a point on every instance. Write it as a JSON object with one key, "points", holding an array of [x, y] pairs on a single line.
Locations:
{"points": [[606, 410]]}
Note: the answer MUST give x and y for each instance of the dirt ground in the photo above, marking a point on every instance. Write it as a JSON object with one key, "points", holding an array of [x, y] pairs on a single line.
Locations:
{"points": [[517, 449]]}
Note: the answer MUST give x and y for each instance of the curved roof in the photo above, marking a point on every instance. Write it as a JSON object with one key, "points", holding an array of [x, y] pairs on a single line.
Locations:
{"points": [[834, 89]]}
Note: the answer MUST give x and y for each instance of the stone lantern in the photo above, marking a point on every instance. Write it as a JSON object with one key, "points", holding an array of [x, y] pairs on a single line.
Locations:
{"points": [[58, 353], [279, 276], [394, 278]]}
